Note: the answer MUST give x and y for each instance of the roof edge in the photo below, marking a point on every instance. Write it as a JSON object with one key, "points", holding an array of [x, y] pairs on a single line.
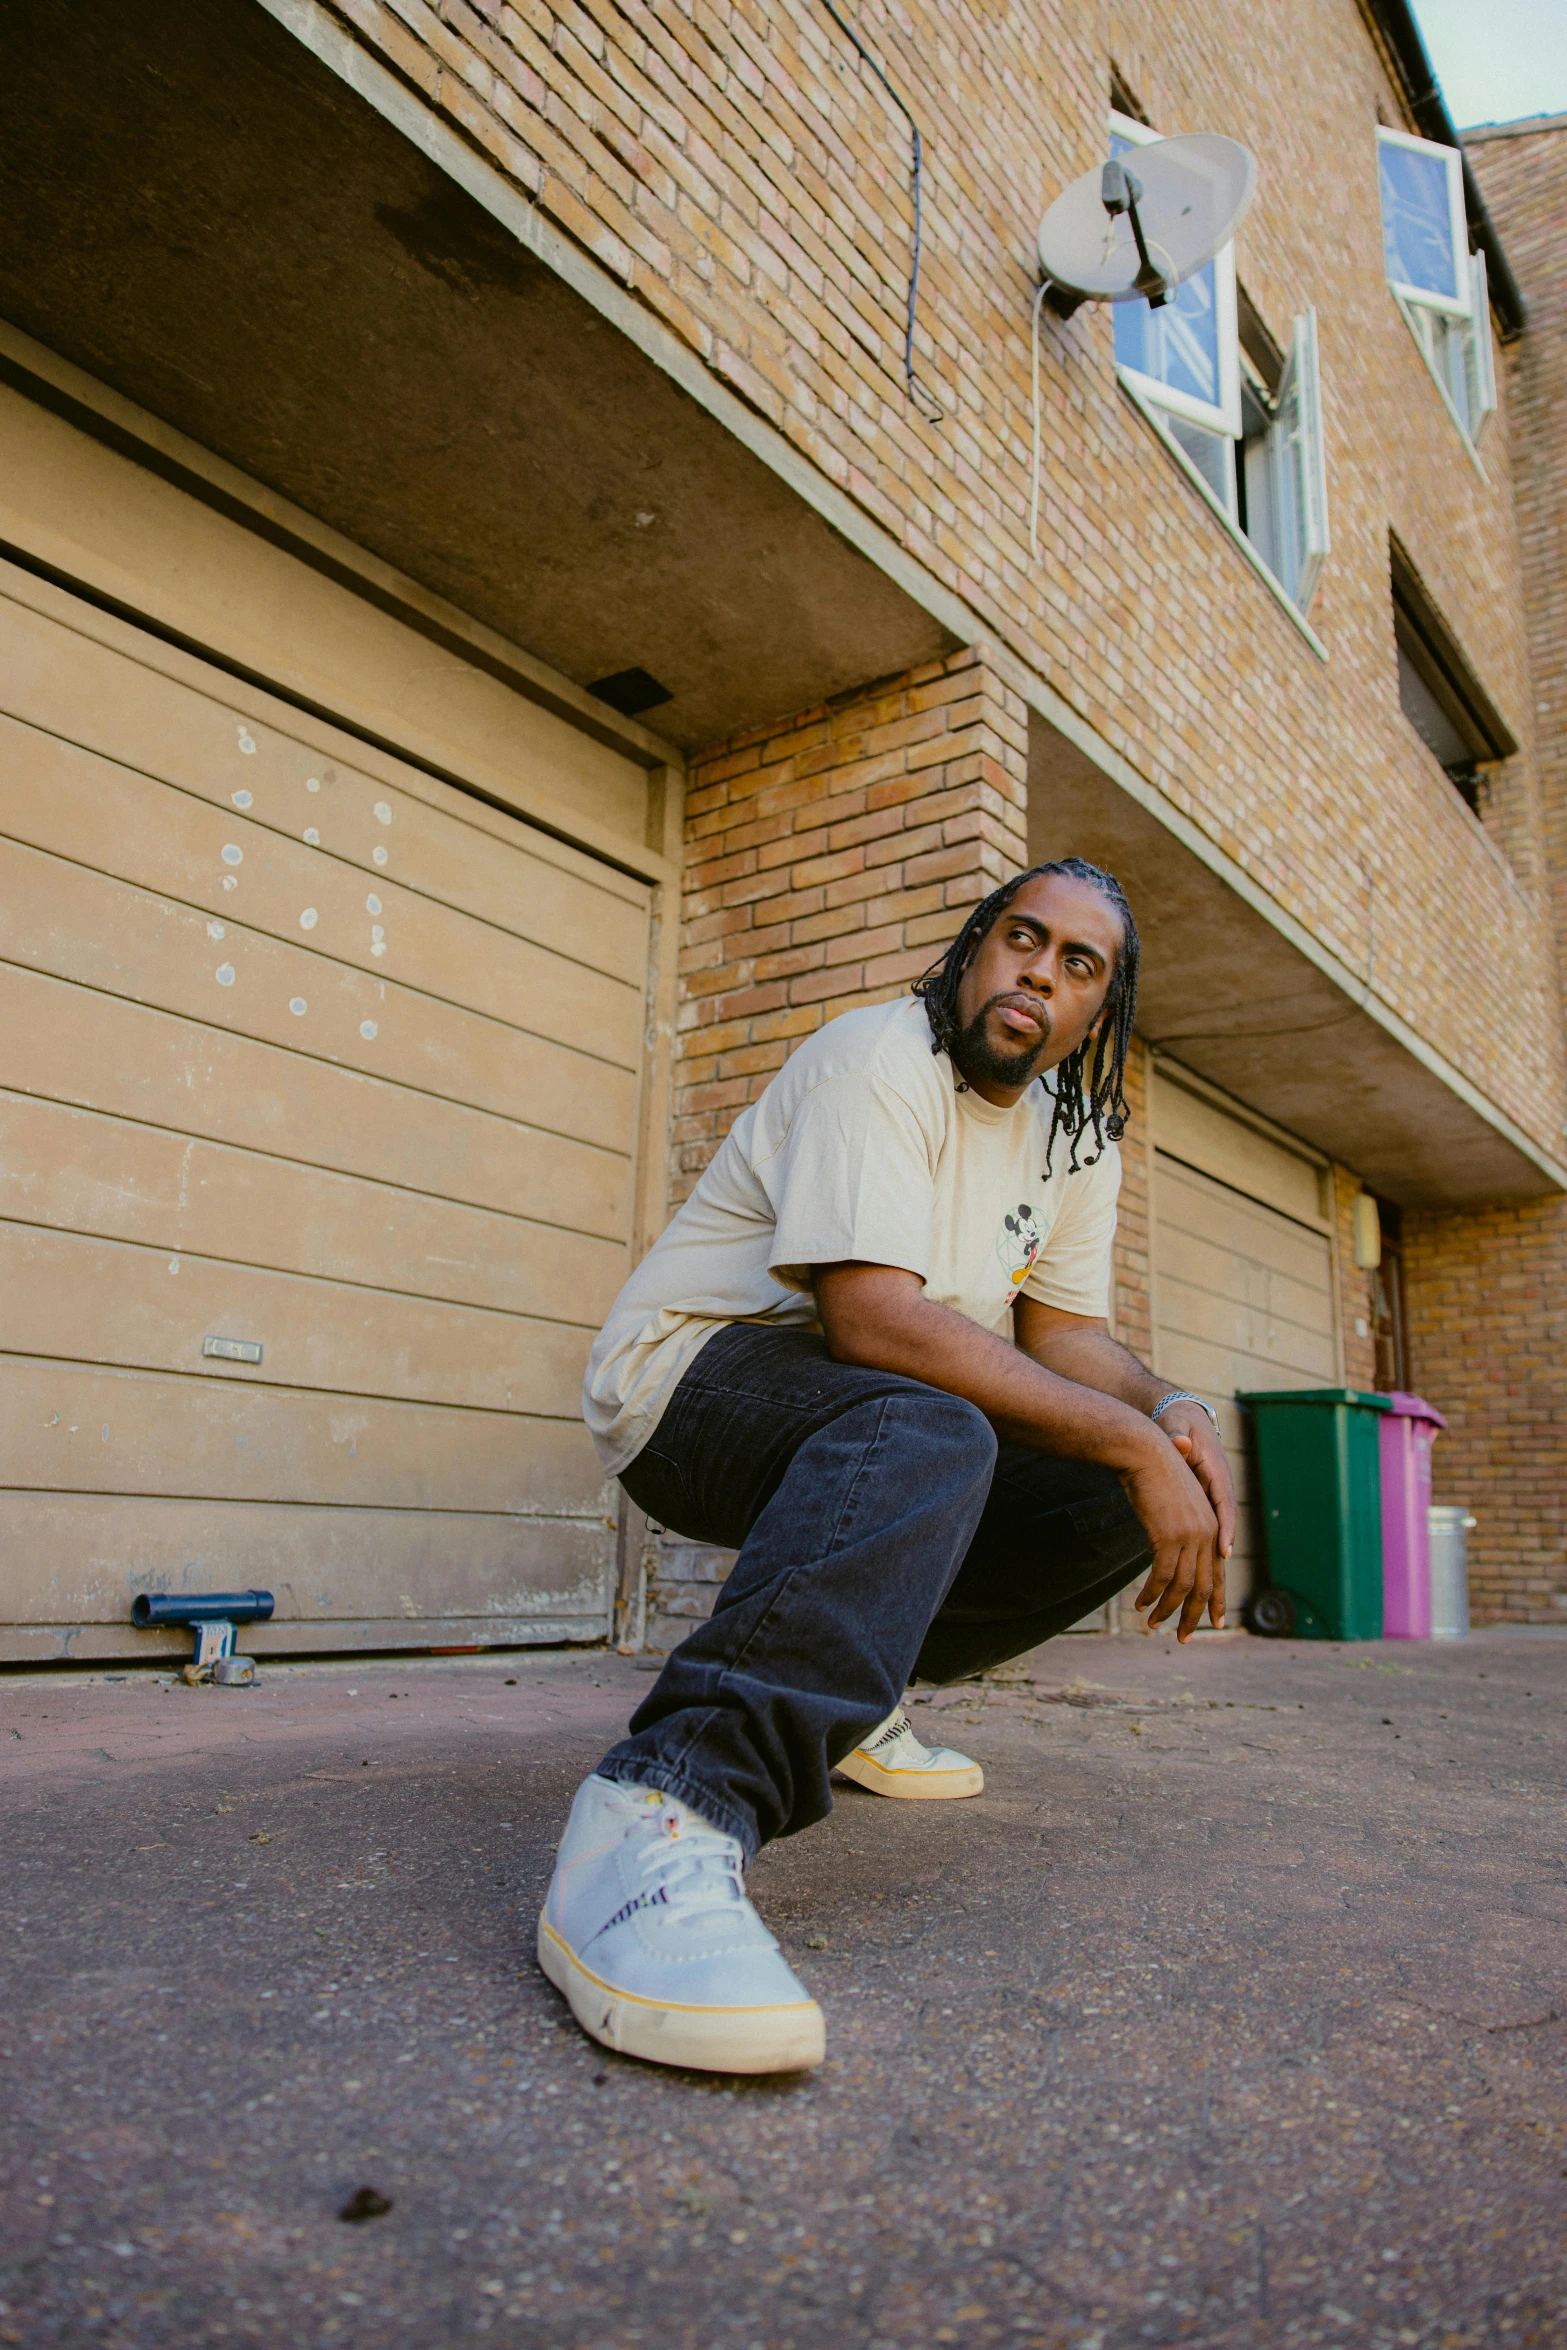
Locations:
{"points": [[1523, 126]]}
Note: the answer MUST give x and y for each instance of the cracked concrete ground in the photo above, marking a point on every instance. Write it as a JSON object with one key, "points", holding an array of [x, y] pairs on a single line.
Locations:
{"points": [[1234, 2013]]}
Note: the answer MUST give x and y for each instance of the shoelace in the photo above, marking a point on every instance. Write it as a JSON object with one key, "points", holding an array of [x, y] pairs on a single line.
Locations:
{"points": [[678, 1871]]}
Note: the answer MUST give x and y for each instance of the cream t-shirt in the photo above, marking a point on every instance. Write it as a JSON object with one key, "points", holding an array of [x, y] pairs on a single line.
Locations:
{"points": [[861, 1147]]}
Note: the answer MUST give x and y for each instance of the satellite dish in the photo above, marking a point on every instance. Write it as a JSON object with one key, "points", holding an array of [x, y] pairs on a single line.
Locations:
{"points": [[1141, 225]]}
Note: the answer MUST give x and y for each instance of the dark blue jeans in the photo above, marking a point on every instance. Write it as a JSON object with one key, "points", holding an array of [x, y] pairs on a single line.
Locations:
{"points": [[883, 1533]]}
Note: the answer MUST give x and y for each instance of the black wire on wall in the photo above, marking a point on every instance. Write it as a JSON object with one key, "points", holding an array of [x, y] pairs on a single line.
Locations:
{"points": [[917, 391]]}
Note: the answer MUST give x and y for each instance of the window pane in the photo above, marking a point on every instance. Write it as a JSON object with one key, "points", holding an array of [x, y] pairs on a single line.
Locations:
{"points": [[1213, 454], [1428, 718], [1260, 480], [1447, 343], [1178, 345], [1417, 221]]}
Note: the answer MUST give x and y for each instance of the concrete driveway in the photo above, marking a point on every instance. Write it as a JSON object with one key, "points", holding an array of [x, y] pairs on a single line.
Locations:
{"points": [[1234, 2013]]}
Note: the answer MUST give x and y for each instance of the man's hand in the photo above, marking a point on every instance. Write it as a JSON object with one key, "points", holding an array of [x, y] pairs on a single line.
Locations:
{"points": [[1078, 1346], [1199, 1444], [1187, 1573]]}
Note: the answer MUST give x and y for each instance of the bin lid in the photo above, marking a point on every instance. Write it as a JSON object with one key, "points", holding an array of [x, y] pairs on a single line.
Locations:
{"points": [[1315, 1395], [1414, 1407]]}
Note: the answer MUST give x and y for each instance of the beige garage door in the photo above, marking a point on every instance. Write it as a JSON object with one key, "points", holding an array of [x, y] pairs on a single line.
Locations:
{"points": [[1243, 1272], [305, 1052]]}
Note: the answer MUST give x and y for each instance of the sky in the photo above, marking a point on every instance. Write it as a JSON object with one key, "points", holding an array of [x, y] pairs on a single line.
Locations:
{"points": [[1497, 59]]}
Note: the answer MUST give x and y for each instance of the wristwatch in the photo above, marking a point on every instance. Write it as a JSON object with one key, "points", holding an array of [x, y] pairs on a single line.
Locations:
{"points": [[1184, 1395]]}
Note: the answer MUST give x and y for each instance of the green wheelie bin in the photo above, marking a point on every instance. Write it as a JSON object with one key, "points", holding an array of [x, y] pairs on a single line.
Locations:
{"points": [[1319, 1511]]}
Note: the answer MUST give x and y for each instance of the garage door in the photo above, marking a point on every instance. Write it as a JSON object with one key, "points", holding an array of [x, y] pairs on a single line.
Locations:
{"points": [[1243, 1271], [318, 1089]]}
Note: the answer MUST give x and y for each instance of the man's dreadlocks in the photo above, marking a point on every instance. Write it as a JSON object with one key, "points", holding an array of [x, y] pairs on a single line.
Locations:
{"points": [[1089, 1083]]}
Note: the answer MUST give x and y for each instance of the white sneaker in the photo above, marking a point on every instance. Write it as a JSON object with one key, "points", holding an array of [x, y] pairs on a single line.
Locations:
{"points": [[891, 1761], [647, 1930]]}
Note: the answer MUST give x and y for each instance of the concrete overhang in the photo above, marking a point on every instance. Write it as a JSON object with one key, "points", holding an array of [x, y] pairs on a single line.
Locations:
{"points": [[228, 212], [1238, 991]]}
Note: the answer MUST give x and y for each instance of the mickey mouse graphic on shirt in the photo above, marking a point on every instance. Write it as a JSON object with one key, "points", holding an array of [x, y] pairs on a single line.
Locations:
{"points": [[1018, 1243]]}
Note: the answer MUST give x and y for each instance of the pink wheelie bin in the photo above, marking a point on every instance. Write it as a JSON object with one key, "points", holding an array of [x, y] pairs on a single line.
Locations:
{"points": [[1407, 1432]]}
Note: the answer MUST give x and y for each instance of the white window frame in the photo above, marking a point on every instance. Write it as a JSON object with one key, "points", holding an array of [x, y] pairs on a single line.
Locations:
{"points": [[1223, 416], [1480, 321], [1305, 461], [1457, 305], [1468, 313]]}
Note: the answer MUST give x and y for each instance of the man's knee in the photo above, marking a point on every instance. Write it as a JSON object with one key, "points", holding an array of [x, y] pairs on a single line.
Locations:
{"points": [[948, 1432]]}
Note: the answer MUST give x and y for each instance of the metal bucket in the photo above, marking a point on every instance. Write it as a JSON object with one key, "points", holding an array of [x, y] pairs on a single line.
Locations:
{"points": [[1449, 1571]]}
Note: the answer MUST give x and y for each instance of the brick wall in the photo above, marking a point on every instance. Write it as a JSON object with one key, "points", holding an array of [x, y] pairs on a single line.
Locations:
{"points": [[1488, 1293], [827, 864], [1488, 1346], [737, 168], [1131, 1311], [1354, 1287], [1524, 176]]}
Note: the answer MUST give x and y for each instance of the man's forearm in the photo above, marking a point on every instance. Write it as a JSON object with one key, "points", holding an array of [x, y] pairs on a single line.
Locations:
{"points": [[1027, 1400], [1094, 1359]]}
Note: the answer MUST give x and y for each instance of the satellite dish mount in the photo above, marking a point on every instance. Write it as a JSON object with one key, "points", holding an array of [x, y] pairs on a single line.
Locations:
{"points": [[1121, 190], [1119, 235]]}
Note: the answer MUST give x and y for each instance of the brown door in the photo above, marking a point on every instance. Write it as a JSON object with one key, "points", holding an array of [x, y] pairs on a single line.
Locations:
{"points": [[318, 1089]]}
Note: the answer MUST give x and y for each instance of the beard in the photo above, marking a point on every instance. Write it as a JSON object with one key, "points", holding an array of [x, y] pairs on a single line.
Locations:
{"points": [[975, 1055]]}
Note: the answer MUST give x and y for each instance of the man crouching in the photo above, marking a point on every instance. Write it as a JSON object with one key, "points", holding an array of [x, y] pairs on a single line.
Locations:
{"points": [[871, 1353]]}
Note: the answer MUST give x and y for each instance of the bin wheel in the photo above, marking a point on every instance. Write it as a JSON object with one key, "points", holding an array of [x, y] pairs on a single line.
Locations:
{"points": [[1271, 1613]]}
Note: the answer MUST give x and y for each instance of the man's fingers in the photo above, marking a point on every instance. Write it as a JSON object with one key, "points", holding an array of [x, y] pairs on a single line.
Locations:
{"points": [[1180, 1585], [1156, 1587], [1196, 1604], [1190, 1581], [1211, 1469]]}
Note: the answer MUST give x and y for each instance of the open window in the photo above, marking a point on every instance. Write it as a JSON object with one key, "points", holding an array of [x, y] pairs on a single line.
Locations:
{"points": [[1183, 358], [1438, 690], [1439, 284], [1282, 486], [1246, 417]]}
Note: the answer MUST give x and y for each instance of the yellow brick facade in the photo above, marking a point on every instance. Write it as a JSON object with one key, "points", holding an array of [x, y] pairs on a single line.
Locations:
{"points": [[1488, 1292], [734, 165], [737, 168], [827, 864]]}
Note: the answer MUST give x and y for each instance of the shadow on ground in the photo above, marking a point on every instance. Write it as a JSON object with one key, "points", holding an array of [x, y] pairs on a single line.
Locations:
{"points": [[1235, 2013]]}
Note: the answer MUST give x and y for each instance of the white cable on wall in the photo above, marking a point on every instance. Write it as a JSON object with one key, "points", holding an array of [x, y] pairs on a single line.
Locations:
{"points": [[1033, 501]]}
